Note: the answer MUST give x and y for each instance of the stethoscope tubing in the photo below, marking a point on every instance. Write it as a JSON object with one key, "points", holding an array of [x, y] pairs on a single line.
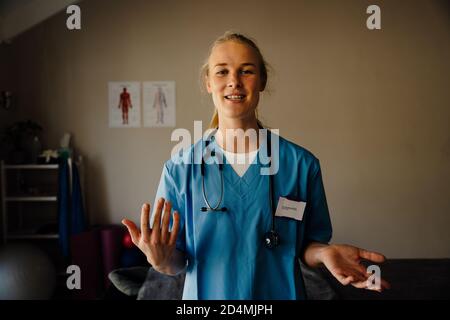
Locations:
{"points": [[271, 237], [209, 207]]}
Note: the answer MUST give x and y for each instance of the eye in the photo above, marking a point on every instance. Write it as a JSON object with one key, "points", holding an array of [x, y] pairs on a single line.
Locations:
{"points": [[248, 71], [221, 72]]}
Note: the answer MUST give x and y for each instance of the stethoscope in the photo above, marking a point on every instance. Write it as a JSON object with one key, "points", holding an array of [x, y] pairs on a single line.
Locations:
{"points": [[271, 238]]}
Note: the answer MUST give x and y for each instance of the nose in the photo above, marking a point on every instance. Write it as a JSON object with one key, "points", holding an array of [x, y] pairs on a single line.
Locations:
{"points": [[234, 80]]}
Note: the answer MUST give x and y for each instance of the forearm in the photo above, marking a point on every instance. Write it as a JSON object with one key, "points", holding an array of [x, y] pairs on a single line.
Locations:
{"points": [[312, 255], [177, 263]]}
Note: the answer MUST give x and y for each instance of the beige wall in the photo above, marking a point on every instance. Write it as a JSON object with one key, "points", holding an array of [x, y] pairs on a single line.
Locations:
{"points": [[373, 106]]}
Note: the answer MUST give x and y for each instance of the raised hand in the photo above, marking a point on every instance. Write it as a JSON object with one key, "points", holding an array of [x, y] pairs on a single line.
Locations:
{"points": [[344, 263], [157, 243]]}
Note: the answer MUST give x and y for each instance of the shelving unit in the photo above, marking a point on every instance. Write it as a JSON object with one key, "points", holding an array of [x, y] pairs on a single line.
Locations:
{"points": [[29, 209], [29, 201]]}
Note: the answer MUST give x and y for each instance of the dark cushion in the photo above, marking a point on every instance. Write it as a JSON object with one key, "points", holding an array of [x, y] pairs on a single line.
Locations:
{"points": [[128, 280], [158, 286]]}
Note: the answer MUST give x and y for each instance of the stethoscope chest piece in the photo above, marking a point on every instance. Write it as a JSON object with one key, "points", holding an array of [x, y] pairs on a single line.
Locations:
{"points": [[271, 239]]}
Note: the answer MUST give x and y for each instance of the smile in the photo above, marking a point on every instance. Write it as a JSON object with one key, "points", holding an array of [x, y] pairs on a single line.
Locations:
{"points": [[235, 97]]}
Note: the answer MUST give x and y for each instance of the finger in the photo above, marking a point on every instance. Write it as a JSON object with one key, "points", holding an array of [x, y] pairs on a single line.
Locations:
{"points": [[145, 231], [132, 230], [360, 284], [373, 287], [348, 280], [366, 285], [372, 256], [362, 269], [156, 232], [165, 222], [360, 276], [175, 227], [345, 280], [357, 272], [385, 284]]}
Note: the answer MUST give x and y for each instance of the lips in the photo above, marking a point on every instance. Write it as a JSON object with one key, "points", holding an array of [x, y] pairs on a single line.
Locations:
{"points": [[235, 97]]}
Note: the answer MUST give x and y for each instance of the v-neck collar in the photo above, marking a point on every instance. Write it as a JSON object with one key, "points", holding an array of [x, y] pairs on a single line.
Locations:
{"points": [[241, 185]]}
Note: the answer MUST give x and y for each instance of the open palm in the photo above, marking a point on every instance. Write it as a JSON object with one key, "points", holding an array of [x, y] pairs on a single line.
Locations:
{"points": [[344, 263]]}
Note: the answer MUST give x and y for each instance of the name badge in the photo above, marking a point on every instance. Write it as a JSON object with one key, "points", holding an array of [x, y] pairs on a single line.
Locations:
{"points": [[290, 209]]}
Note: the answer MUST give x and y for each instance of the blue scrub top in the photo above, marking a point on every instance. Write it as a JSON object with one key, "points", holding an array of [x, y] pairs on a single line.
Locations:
{"points": [[225, 251]]}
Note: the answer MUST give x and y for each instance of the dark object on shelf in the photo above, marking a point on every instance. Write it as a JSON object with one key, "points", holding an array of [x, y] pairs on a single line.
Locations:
{"points": [[6, 100], [22, 142], [50, 160]]}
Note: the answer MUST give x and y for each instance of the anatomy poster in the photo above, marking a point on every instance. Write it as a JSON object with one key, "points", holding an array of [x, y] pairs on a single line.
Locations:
{"points": [[159, 103], [124, 105]]}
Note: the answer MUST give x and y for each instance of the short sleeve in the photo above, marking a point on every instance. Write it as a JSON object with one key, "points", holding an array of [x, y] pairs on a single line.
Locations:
{"points": [[168, 190], [317, 221]]}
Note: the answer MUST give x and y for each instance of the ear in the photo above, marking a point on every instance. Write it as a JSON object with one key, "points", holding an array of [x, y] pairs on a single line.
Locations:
{"points": [[207, 84]]}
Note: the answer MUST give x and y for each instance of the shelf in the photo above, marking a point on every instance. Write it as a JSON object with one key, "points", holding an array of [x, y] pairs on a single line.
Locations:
{"points": [[29, 197], [32, 199], [31, 166], [32, 236]]}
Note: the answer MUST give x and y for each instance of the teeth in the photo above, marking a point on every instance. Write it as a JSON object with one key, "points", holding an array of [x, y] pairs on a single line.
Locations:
{"points": [[234, 97]]}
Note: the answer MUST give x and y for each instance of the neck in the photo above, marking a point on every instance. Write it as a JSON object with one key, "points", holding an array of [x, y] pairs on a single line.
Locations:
{"points": [[238, 136]]}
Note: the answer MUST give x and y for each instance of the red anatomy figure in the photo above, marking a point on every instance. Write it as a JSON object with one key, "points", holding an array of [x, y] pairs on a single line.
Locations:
{"points": [[125, 103]]}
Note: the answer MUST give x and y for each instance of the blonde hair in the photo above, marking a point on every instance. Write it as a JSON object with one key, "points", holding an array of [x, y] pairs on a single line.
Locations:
{"points": [[263, 66]]}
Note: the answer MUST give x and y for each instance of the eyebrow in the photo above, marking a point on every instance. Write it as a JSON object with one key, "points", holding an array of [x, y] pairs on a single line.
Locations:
{"points": [[243, 64]]}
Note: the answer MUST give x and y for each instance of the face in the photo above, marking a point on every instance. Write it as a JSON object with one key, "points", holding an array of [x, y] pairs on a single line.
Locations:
{"points": [[234, 80]]}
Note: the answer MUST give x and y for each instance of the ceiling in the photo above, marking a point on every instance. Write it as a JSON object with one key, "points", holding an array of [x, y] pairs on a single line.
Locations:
{"points": [[17, 16]]}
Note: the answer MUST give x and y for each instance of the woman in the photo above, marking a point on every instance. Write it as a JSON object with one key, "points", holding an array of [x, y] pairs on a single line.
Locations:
{"points": [[245, 249]]}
